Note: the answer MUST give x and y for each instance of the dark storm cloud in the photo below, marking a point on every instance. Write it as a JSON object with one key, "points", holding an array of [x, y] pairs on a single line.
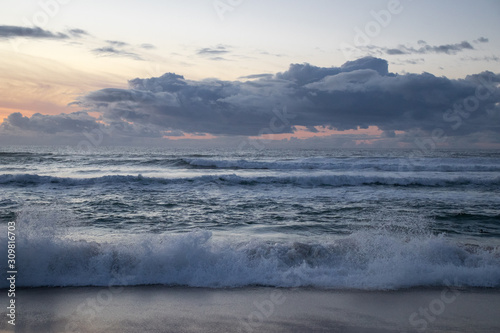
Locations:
{"points": [[360, 93], [7, 32], [73, 122], [108, 51]]}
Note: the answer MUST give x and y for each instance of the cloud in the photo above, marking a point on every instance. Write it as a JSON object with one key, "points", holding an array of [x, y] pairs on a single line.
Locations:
{"points": [[8, 32], [447, 48], [414, 61], [389, 134], [110, 48], [108, 51], [116, 43], [219, 50], [147, 46], [492, 58], [358, 94], [394, 51], [77, 32], [425, 48], [73, 122], [376, 64], [115, 48], [482, 40], [257, 76], [421, 48], [72, 125], [271, 54], [218, 59]]}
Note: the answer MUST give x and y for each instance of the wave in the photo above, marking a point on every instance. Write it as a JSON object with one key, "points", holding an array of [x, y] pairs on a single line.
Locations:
{"points": [[15, 169], [301, 179], [18, 154], [400, 164], [385, 258], [311, 163]]}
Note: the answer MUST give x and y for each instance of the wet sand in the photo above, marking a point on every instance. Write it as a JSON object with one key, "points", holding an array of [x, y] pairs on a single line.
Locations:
{"points": [[256, 309]]}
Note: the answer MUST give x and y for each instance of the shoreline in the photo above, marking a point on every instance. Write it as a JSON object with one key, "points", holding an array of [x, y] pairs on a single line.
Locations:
{"points": [[253, 309]]}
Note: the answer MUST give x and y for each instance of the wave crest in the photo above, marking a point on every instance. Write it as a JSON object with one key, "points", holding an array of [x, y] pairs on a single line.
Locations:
{"points": [[233, 179], [383, 258]]}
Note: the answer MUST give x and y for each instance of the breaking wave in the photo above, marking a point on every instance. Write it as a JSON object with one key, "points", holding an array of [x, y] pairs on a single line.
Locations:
{"points": [[381, 258], [304, 179]]}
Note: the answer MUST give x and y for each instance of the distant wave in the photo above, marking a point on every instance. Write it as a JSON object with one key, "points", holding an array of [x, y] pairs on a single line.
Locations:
{"points": [[16, 169], [18, 154], [207, 161], [378, 259], [316, 163], [439, 165], [302, 179]]}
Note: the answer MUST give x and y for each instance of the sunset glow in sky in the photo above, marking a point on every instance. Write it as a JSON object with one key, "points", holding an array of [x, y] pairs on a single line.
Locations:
{"points": [[378, 73]]}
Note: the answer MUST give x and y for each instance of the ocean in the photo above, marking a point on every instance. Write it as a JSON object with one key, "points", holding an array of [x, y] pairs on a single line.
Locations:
{"points": [[370, 219]]}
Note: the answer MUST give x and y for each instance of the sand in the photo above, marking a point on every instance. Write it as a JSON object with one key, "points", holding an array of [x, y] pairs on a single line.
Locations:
{"points": [[256, 309]]}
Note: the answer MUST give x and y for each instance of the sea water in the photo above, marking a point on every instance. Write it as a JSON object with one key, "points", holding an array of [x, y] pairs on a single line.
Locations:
{"points": [[327, 218]]}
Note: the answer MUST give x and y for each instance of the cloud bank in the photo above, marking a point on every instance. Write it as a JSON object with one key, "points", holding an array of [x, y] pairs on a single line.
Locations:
{"points": [[50, 124], [358, 94]]}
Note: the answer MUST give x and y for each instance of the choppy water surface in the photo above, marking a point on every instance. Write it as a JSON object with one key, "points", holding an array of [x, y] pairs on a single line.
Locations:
{"points": [[371, 219]]}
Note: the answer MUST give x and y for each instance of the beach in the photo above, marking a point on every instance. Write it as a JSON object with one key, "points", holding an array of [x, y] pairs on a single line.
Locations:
{"points": [[254, 309]]}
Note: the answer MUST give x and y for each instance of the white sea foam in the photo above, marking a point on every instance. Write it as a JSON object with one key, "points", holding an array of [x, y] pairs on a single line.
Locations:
{"points": [[386, 257]]}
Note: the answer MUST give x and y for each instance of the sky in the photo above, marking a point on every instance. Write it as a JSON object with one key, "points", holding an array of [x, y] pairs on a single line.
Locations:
{"points": [[251, 73]]}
